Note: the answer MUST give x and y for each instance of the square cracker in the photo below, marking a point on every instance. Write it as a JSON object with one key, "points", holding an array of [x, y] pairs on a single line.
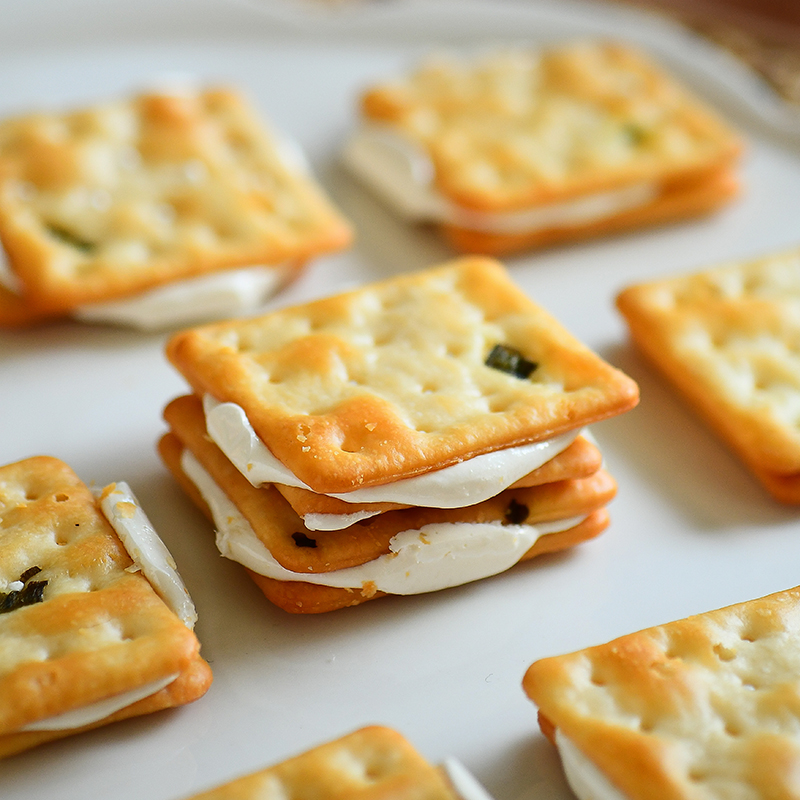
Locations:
{"points": [[100, 628], [707, 706], [517, 130], [727, 338], [112, 200], [390, 380], [373, 763]]}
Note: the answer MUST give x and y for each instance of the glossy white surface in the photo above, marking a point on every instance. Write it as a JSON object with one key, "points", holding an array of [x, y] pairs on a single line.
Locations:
{"points": [[428, 559], [461, 484], [690, 529]]}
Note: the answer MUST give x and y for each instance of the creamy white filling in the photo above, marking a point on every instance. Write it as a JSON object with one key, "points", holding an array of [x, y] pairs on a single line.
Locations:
{"points": [[144, 546], [78, 717], [434, 557], [150, 554], [464, 783], [402, 174], [462, 484], [229, 293], [335, 522], [583, 777]]}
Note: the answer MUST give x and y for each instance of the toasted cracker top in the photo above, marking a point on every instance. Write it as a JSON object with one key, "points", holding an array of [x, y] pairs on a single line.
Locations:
{"points": [[517, 129], [391, 380], [373, 763], [731, 337], [708, 706], [114, 199], [99, 629]]}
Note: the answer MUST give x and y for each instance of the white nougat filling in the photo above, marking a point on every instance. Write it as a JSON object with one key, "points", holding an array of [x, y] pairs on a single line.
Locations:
{"points": [[434, 557], [230, 293], [78, 717], [402, 173], [463, 782], [583, 777], [465, 483], [149, 553]]}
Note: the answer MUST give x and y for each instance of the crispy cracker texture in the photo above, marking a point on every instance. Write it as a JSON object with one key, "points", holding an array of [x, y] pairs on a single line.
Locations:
{"points": [[727, 339], [508, 131], [275, 523], [679, 200], [390, 380], [702, 707], [374, 763], [99, 629], [112, 200], [277, 526]]}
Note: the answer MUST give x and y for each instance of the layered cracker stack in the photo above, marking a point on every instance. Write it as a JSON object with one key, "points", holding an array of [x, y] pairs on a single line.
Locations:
{"points": [[523, 149], [404, 437], [89, 634], [103, 209]]}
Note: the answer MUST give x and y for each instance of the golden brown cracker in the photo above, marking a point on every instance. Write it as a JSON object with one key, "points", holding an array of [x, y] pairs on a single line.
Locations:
{"points": [[705, 706], [390, 380], [579, 460], [508, 131], [277, 525], [190, 685], [686, 200], [726, 339], [98, 628], [186, 418], [110, 201], [296, 548], [374, 763]]}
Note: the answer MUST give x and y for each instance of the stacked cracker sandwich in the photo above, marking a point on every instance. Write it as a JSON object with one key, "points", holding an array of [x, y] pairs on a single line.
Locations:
{"points": [[401, 438]]}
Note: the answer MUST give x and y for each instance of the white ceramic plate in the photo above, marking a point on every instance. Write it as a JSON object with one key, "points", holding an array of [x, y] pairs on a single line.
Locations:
{"points": [[691, 530]]}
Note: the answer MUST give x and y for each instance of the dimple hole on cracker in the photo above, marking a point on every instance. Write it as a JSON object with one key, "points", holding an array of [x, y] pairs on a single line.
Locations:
{"points": [[696, 775], [724, 653], [732, 729]]}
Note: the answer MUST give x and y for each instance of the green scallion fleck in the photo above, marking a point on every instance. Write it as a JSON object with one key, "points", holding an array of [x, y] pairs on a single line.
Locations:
{"points": [[31, 593], [508, 359], [67, 237]]}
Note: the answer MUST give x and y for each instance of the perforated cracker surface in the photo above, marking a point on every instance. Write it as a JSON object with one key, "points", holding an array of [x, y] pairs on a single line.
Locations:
{"points": [[729, 339], [371, 764], [706, 707], [117, 198], [391, 380], [516, 129], [99, 629]]}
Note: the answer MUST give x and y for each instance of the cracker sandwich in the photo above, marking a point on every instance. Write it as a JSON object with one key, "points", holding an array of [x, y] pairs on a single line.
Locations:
{"points": [[522, 149], [407, 436], [705, 707], [153, 211], [95, 623]]}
